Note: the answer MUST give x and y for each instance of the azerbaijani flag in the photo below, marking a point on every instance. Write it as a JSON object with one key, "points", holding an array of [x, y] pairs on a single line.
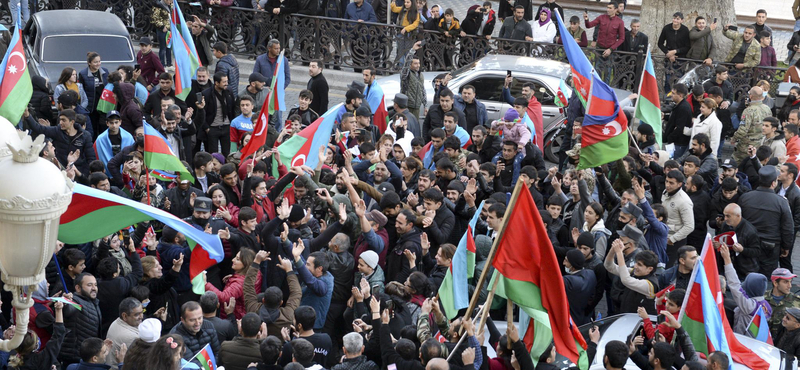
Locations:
{"points": [[582, 70], [158, 155], [164, 175], [184, 53], [107, 100], [703, 315], [463, 136], [530, 276], [648, 105], [64, 300], [604, 132], [276, 100], [94, 214], [375, 100], [757, 323], [206, 359], [562, 95], [454, 293], [426, 154], [16, 87], [303, 147]]}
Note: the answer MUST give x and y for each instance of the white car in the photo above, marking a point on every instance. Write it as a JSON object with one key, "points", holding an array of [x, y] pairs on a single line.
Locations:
{"points": [[619, 327], [488, 75]]}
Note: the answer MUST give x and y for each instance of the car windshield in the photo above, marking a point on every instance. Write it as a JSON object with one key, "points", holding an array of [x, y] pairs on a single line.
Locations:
{"points": [[460, 71], [73, 49]]}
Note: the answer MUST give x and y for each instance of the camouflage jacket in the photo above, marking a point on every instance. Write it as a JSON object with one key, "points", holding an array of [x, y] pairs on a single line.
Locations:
{"points": [[160, 17], [753, 55], [779, 309], [749, 132]]}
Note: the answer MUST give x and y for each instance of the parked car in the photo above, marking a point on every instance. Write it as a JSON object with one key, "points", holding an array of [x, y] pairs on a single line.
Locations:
{"points": [[619, 327], [55, 39], [488, 75]]}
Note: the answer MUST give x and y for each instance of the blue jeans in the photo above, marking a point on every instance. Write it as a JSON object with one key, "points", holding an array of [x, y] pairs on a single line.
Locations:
{"points": [[164, 53], [605, 67], [23, 6], [797, 25], [679, 150]]}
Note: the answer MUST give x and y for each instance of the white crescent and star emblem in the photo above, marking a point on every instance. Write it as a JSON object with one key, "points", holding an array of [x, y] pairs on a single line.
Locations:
{"points": [[263, 125], [299, 160], [13, 68], [615, 125]]}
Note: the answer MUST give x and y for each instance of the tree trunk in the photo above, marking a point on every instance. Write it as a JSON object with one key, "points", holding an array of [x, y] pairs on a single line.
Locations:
{"points": [[658, 13]]}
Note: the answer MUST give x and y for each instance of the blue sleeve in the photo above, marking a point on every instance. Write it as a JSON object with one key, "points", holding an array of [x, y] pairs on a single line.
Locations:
{"points": [[396, 177], [483, 119], [258, 68], [372, 17], [507, 96], [374, 241], [473, 342], [287, 73], [317, 286], [361, 169]]}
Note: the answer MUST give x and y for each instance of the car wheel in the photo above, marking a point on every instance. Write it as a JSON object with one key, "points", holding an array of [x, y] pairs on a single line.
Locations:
{"points": [[552, 145]]}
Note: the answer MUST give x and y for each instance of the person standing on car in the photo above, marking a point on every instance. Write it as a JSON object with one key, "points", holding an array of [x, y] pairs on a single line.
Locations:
{"points": [[149, 63], [69, 81], [94, 79], [160, 20]]}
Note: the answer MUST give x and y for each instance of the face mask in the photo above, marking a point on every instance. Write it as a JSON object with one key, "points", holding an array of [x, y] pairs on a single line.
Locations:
{"points": [[791, 98], [765, 94], [568, 270], [200, 221], [145, 303]]}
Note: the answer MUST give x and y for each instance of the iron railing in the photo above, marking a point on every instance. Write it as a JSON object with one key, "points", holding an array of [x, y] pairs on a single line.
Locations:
{"points": [[356, 45]]}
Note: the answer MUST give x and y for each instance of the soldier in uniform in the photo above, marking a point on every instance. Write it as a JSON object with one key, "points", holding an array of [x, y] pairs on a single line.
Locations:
{"points": [[780, 297], [749, 132]]}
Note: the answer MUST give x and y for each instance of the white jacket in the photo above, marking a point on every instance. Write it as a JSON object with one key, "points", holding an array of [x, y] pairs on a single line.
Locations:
{"points": [[546, 33], [680, 216], [710, 126]]}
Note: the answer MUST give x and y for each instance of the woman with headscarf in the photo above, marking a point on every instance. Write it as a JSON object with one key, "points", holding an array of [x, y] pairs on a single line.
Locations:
{"points": [[544, 30]]}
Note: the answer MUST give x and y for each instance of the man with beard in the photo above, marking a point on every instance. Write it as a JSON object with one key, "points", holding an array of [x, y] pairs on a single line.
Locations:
{"points": [[169, 129], [728, 193], [318, 86], [179, 200], [425, 181], [255, 90], [435, 117], [409, 241], [485, 145], [202, 33], [81, 323]]}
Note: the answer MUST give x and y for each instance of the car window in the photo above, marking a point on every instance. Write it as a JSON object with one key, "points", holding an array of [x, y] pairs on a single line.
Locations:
{"points": [[488, 88], [32, 31], [516, 89], [73, 48]]}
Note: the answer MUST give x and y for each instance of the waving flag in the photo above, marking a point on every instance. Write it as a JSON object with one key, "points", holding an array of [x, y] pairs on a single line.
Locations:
{"points": [[184, 52], [453, 292], [703, 314], [206, 358], [275, 99], [530, 275], [378, 105], [94, 214], [15, 82], [303, 147], [426, 154], [582, 70], [604, 133], [759, 327], [648, 105], [158, 155], [562, 95], [107, 100], [102, 147]]}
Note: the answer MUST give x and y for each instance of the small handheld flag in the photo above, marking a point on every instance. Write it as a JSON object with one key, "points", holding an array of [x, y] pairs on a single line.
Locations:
{"points": [[562, 95], [759, 327], [66, 301], [205, 358], [159, 155], [107, 100]]}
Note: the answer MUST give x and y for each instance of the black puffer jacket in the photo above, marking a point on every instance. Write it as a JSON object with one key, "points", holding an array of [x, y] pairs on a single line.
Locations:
{"points": [[40, 99], [195, 342], [80, 325]]}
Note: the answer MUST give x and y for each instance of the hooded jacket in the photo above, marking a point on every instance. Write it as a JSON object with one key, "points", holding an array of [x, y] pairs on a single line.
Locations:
{"points": [[128, 109], [395, 258], [40, 99], [749, 296], [228, 65]]}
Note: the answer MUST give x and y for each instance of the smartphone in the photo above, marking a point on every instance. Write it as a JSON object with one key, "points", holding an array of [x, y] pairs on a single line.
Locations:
{"points": [[715, 19], [661, 318], [733, 28], [559, 176], [586, 10], [199, 97], [136, 66], [508, 73]]}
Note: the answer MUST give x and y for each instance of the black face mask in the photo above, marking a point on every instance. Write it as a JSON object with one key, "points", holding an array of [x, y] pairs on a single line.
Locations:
{"points": [[200, 221], [791, 98], [620, 225]]}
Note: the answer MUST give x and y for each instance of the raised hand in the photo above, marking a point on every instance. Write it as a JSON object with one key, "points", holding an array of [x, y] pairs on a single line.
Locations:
{"points": [[361, 208], [230, 306], [342, 213], [261, 256], [297, 249], [224, 233], [286, 264]]}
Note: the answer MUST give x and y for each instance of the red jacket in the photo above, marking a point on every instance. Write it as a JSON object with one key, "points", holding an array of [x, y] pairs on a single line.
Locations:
{"points": [[793, 153], [612, 31], [234, 288]]}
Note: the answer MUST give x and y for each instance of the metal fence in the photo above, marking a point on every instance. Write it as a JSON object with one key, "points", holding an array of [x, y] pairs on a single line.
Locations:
{"points": [[356, 45]]}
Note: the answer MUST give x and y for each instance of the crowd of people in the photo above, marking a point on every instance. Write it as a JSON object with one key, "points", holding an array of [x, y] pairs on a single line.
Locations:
{"points": [[338, 266]]}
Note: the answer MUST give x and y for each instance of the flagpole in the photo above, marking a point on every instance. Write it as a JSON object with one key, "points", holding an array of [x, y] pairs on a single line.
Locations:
{"points": [[474, 300], [694, 274], [146, 176], [641, 81], [633, 137], [482, 313]]}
